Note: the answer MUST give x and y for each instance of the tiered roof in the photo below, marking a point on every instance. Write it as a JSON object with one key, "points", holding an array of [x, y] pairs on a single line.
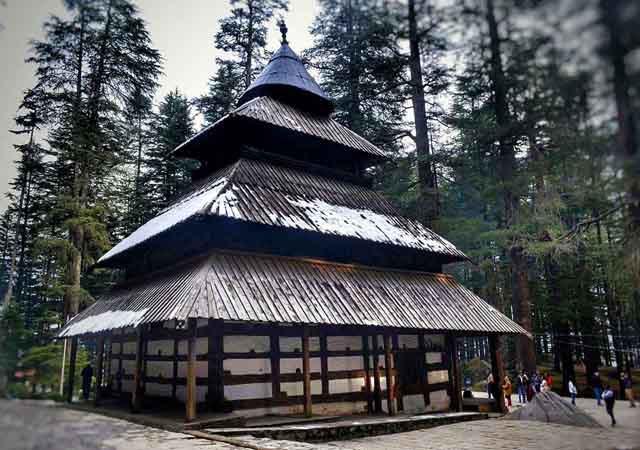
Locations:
{"points": [[300, 186]]}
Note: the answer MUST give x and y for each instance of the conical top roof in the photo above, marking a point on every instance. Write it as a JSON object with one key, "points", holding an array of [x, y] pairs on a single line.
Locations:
{"points": [[286, 79]]}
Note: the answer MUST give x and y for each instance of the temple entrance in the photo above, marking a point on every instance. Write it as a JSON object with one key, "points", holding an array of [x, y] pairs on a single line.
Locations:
{"points": [[411, 376]]}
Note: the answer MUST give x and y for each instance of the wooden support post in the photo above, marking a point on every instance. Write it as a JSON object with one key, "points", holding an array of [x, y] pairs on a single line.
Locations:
{"points": [[377, 390], [274, 346], [424, 377], [215, 370], [454, 373], [72, 367], [107, 369], [397, 380], [306, 372], [388, 366], [191, 398], [174, 374], [99, 369], [497, 369], [324, 365], [136, 395], [367, 372]]}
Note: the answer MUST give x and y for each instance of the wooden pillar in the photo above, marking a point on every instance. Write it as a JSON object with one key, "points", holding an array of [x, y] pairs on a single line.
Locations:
{"points": [[497, 369], [274, 345], [424, 377], [215, 383], [324, 365], [306, 372], [174, 374], [99, 369], [136, 395], [72, 368], [388, 366], [107, 369], [191, 399], [367, 372], [377, 390], [454, 373], [395, 346]]}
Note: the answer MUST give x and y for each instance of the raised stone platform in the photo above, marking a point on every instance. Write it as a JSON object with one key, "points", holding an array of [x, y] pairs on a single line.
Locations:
{"points": [[348, 427]]}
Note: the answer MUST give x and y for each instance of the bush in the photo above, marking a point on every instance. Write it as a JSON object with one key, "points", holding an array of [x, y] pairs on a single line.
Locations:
{"points": [[18, 390]]}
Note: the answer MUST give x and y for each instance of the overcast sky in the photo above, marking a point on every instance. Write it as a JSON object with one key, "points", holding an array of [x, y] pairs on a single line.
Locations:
{"points": [[182, 30]]}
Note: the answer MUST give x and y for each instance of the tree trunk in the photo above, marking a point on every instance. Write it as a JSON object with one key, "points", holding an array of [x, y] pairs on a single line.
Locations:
{"points": [[428, 195], [525, 347]]}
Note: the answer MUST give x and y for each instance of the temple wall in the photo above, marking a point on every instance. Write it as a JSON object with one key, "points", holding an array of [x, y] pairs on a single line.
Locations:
{"points": [[263, 372]]}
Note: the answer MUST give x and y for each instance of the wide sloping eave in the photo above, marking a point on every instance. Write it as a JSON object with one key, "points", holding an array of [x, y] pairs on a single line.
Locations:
{"points": [[245, 287], [267, 194]]}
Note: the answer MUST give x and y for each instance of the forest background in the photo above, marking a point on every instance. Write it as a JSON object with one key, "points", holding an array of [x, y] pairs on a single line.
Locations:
{"points": [[511, 126]]}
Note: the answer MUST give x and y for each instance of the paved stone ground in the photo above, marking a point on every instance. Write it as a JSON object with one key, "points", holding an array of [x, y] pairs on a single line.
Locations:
{"points": [[30, 425], [33, 426]]}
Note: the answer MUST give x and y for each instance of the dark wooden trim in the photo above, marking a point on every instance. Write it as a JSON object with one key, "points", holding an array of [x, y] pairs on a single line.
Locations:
{"points": [[73, 352], [377, 389], [136, 397], [306, 372], [99, 369], [367, 373], [174, 377], [215, 382], [297, 400], [274, 344], [388, 362], [324, 365], [398, 388], [454, 370], [425, 375]]}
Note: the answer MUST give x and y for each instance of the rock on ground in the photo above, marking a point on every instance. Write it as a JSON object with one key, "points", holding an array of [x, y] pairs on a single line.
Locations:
{"points": [[551, 408]]}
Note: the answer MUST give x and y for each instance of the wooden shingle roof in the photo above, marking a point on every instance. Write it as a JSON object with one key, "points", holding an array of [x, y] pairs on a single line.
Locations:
{"points": [[263, 288], [267, 194]]}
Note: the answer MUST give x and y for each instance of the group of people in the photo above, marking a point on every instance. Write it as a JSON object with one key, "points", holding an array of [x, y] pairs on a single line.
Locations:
{"points": [[526, 386]]}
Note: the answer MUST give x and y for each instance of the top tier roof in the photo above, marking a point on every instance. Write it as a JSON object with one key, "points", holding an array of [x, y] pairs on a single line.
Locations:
{"points": [[286, 78]]}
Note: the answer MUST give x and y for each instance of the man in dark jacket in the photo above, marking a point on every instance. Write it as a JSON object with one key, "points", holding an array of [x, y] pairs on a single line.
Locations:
{"points": [[609, 402], [87, 374]]}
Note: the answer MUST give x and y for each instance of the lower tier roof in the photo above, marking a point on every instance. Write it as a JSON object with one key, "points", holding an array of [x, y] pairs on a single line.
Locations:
{"points": [[271, 289]]}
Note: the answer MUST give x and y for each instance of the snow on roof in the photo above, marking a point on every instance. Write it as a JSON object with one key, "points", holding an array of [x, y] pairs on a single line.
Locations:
{"points": [[259, 192]]}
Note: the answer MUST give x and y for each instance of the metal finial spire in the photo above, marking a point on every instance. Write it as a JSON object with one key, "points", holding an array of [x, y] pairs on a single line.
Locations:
{"points": [[283, 31]]}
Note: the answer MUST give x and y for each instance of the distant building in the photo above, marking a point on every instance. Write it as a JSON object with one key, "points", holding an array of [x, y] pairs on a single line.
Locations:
{"points": [[281, 282]]}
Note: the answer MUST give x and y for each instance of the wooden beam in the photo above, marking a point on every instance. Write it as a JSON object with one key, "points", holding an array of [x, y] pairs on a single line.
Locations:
{"points": [[99, 369], [191, 398], [274, 346], [215, 381], [136, 397], [425, 373], [107, 369], [388, 367], [398, 388], [324, 365], [72, 368], [174, 375], [454, 372], [367, 372], [497, 368], [306, 372], [377, 389]]}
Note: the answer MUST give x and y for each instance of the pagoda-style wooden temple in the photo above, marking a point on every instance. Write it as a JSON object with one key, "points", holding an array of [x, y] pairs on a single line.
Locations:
{"points": [[281, 282]]}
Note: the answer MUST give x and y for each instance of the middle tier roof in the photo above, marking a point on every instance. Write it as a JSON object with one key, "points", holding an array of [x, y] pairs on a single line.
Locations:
{"points": [[268, 194]]}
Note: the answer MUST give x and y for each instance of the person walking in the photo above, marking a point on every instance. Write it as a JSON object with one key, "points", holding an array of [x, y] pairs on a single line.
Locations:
{"points": [[490, 385], [87, 374], [549, 380], [537, 382], [521, 386], [507, 390], [597, 388], [628, 389], [609, 402], [573, 391]]}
